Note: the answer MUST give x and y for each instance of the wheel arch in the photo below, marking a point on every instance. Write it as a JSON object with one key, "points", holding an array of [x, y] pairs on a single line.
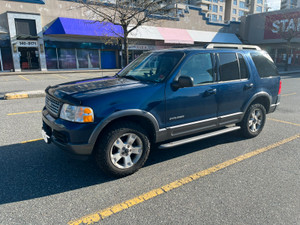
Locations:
{"points": [[262, 98], [149, 122]]}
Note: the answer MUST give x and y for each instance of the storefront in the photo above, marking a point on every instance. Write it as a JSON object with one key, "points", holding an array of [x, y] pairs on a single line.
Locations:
{"points": [[6, 61], [277, 32]]}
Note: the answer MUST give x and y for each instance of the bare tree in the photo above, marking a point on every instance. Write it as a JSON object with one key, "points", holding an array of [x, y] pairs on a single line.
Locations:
{"points": [[129, 14]]}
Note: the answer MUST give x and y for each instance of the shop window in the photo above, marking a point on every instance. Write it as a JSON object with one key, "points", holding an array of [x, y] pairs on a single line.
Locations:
{"points": [[67, 58], [26, 29], [88, 58], [51, 58], [229, 69], [7, 61]]}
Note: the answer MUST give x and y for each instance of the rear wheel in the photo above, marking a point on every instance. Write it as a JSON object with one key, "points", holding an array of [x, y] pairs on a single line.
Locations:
{"points": [[254, 120], [123, 150]]}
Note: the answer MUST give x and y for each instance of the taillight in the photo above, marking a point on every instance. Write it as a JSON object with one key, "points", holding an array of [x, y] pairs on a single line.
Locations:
{"points": [[279, 90]]}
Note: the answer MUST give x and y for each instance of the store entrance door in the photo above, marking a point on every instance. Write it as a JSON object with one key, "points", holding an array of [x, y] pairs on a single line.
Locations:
{"points": [[29, 58]]}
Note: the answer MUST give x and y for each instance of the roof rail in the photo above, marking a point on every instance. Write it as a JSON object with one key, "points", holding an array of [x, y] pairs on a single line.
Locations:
{"points": [[234, 46]]}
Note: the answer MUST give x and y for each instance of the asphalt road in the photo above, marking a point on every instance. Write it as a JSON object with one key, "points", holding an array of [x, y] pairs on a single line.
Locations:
{"points": [[40, 184]]}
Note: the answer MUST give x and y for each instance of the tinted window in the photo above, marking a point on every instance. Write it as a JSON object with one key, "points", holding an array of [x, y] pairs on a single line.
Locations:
{"points": [[229, 69], [200, 68], [243, 67], [264, 64]]}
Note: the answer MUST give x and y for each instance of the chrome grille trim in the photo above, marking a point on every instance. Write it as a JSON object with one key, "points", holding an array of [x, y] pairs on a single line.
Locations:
{"points": [[52, 105]]}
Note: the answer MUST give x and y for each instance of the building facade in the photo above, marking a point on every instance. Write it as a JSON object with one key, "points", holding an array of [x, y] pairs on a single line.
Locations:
{"points": [[58, 35], [277, 32]]}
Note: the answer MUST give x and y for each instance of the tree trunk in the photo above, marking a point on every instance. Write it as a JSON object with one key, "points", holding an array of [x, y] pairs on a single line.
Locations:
{"points": [[125, 41]]}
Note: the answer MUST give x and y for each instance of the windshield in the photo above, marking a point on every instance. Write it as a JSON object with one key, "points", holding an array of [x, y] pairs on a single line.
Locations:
{"points": [[153, 67]]}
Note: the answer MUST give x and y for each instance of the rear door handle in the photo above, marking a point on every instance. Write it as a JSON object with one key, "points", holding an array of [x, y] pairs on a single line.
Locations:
{"points": [[210, 92], [248, 86]]}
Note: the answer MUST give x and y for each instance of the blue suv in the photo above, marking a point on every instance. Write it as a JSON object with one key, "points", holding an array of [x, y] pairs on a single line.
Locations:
{"points": [[164, 98]]}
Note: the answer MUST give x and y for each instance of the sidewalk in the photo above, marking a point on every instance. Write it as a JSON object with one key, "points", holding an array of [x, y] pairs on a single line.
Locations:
{"points": [[104, 71], [291, 69]]}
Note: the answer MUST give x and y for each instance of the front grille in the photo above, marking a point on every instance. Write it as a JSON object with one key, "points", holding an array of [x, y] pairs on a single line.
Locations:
{"points": [[53, 105]]}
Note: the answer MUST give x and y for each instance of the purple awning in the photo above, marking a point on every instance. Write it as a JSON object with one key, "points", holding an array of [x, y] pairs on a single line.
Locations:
{"points": [[69, 26]]}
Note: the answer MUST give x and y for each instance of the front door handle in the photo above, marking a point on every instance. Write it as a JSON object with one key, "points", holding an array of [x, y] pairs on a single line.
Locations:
{"points": [[210, 92], [248, 86]]}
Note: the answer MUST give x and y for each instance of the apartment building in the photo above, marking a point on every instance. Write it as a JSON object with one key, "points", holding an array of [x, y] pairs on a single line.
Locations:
{"points": [[289, 4], [229, 10]]}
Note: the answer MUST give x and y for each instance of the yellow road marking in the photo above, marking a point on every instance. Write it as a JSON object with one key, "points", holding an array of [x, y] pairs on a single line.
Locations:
{"points": [[100, 215], [24, 77], [281, 121], [24, 142], [289, 94], [19, 113], [59, 76]]}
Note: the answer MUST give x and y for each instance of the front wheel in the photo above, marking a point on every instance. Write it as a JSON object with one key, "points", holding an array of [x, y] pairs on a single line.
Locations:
{"points": [[123, 150], [254, 121]]}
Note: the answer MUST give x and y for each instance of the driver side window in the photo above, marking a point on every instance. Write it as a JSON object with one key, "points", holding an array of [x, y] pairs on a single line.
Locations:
{"points": [[200, 68]]}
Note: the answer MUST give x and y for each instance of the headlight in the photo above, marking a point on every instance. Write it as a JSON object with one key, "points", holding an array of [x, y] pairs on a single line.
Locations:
{"points": [[78, 114]]}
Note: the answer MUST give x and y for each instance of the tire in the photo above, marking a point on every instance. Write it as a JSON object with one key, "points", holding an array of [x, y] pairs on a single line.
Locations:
{"points": [[123, 150], [253, 121]]}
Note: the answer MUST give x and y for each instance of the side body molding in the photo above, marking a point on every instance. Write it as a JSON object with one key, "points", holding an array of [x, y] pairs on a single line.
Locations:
{"points": [[120, 114]]}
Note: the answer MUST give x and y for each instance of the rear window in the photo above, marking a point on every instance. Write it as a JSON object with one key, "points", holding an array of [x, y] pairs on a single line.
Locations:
{"points": [[264, 64]]}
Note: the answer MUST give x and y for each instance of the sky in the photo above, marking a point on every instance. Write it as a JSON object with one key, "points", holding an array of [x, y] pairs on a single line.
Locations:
{"points": [[274, 4]]}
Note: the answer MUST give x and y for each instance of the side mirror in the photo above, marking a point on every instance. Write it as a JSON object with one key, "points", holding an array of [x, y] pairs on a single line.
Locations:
{"points": [[182, 82]]}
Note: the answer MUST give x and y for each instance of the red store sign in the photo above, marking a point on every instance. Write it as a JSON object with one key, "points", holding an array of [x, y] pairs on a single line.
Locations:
{"points": [[278, 24]]}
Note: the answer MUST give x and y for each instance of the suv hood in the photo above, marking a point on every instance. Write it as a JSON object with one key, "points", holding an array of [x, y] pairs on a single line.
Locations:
{"points": [[72, 91]]}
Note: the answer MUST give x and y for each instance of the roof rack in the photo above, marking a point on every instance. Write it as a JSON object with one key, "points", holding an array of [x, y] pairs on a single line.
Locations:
{"points": [[234, 46]]}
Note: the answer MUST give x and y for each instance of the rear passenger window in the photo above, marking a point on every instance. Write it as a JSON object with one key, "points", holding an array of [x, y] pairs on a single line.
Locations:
{"points": [[229, 69], [243, 67], [264, 64], [200, 68]]}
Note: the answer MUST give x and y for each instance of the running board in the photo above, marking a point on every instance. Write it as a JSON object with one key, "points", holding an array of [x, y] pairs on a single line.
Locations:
{"points": [[199, 137]]}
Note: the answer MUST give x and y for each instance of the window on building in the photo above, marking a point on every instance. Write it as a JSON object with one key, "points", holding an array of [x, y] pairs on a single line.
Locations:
{"points": [[264, 65], [233, 19], [234, 11], [25, 28], [214, 17], [215, 8], [209, 7], [241, 13], [67, 58], [7, 60], [242, 5], [215, 1], [88, 58], [259, 1], [51, 58], [200, 68], [258, 9], [220, 18], [221, 8], [229, 69], [235, 2]]}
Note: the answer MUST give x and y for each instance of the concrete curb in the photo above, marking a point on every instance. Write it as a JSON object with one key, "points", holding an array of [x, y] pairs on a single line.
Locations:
{"points": [[288, 72], [24, 94]]}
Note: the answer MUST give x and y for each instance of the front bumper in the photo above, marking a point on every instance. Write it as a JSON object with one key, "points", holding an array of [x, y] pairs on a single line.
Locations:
{"points": [[72, 137]]}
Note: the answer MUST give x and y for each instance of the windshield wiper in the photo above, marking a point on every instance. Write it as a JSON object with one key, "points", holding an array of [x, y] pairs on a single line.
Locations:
{"points": [[130, 77]]}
